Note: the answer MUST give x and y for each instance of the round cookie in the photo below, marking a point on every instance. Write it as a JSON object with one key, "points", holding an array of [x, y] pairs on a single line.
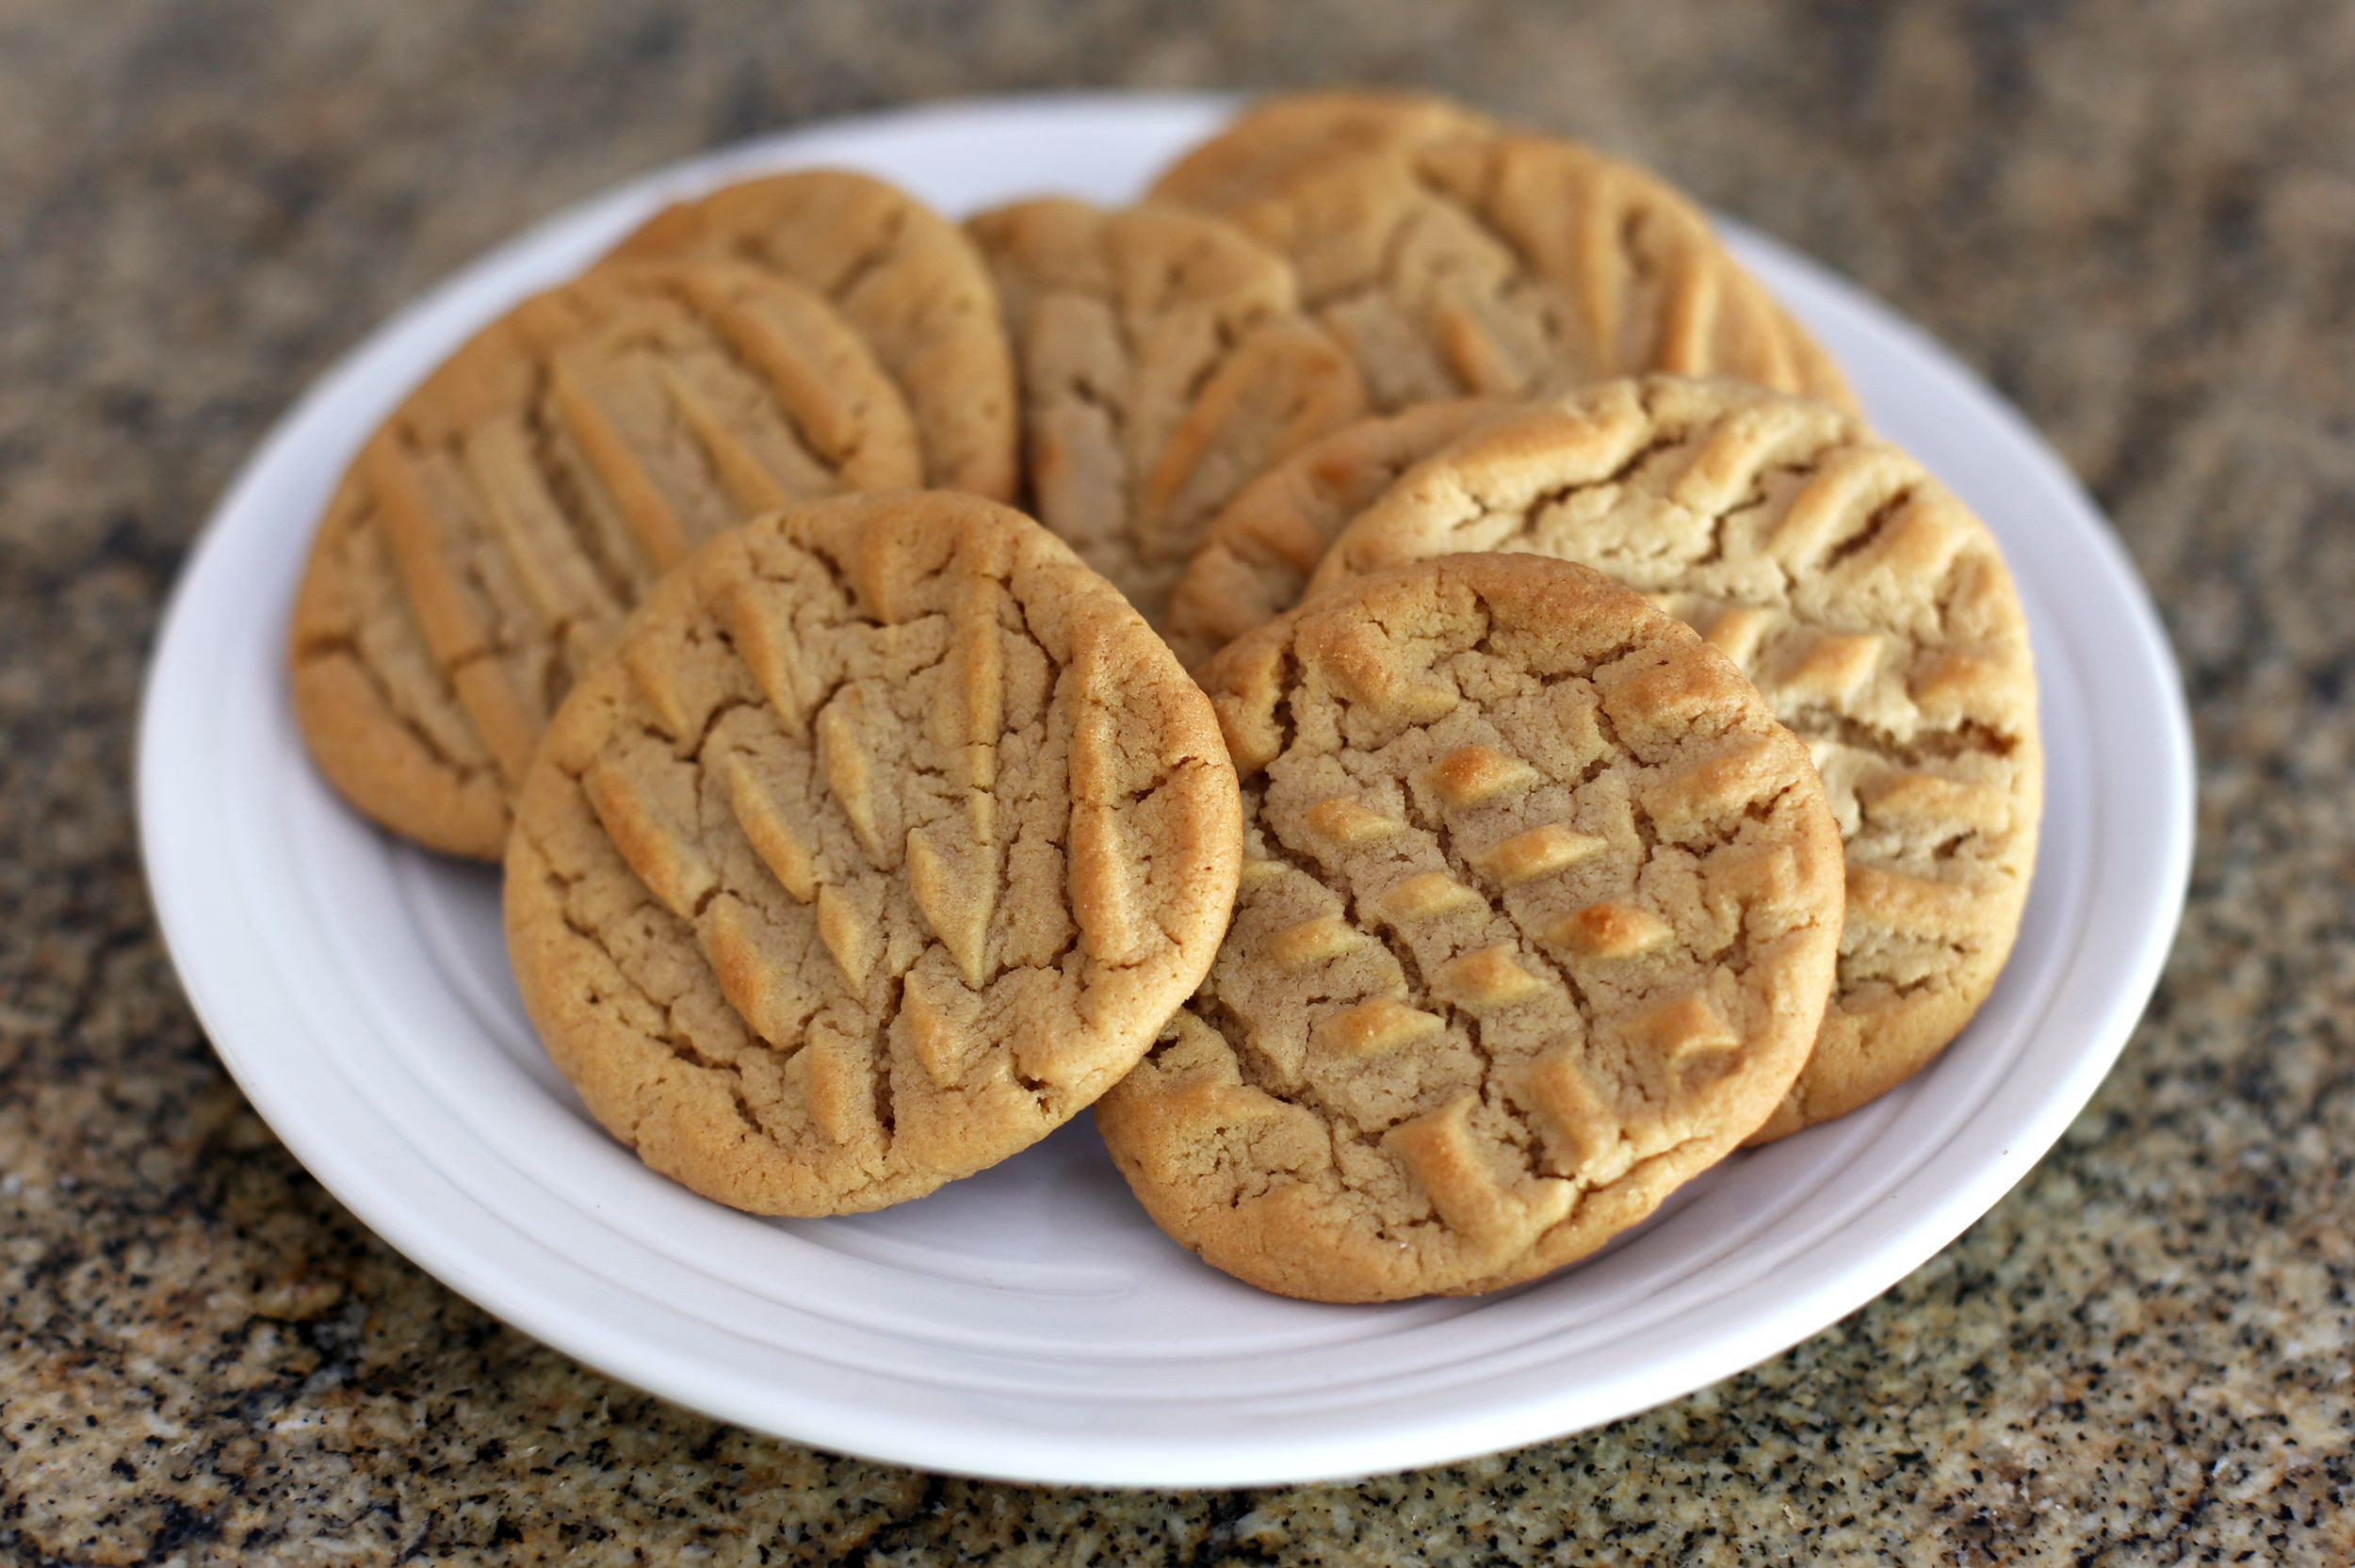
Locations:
{"points": [[491, 534], [884, 842], [900, 274], [1538, 918], [1865, 602], [1515, 266], [1257, 554], [1275, 139], [1163, 363]]}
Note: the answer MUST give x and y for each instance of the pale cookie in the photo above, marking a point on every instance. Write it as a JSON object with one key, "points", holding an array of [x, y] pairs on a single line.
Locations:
{"points": [[1254, 558], [1537, 917], [490, 537], [1870, 608], [1516, 266], [1275, 139], [884, 841], [900, 274], [1164, 362]]}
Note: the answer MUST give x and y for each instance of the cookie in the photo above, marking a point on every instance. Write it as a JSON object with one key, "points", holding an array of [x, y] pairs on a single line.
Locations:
{"points": [[900, 274], [1514, 265], [1163, 363], [1276, 138], [884, 842], [1538, 918], [1255, 555], [1868, 605], [488, 540]]}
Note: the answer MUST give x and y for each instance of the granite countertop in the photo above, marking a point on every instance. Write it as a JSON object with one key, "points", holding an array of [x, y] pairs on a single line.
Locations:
{"points": [[2139, 221]]}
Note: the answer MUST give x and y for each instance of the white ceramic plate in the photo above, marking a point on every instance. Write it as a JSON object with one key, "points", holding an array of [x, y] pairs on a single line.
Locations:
{"points": [[1030, 1323]]}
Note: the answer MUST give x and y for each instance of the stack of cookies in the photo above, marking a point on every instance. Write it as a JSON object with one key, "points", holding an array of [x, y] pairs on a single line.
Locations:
{"points": [[1471, 729]]}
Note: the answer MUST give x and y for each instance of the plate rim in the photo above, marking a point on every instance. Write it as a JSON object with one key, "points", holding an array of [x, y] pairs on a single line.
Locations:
{"points": [[1017, 1452]]}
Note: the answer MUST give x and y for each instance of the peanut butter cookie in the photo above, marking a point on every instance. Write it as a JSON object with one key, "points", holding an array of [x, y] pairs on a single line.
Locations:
{"points": [[1538, 918], [1257, 554], [488, 540], [900, 274], [1163, 363], [1275, 139], [1514, 265], [1868, 605], [884, 842]]}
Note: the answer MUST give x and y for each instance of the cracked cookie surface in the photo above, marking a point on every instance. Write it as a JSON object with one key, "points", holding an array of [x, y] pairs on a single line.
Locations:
{"points": [[902, 276], [1536, 921], [1515, 266], [1867, 604], [1264, 146], [1255, 556], [881, 845], [488, 540], [1163, 361]]}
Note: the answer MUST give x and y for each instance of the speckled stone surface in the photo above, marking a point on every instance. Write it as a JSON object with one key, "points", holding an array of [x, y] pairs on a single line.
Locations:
{"points": [[2138, 219]]}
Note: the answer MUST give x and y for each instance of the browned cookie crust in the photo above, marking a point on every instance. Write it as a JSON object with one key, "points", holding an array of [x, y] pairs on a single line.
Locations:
{"points": [[1512, 266], [883, 843], [899, 273], [488, 540], [1868, 605], [1537, 920], [1164, 362]]}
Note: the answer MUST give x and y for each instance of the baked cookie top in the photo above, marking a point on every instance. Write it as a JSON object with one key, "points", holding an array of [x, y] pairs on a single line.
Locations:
{"points": [[900, 274], [1868, 605], [1255, 556], [1163, 363], [1537, 917], [884, 841], [1514, 265], [487, 541], [1275, 139]]}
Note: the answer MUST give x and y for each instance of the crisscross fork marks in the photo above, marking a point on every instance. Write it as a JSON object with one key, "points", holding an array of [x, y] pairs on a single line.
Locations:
{"points": [[929, 815], [1389, 997]]}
